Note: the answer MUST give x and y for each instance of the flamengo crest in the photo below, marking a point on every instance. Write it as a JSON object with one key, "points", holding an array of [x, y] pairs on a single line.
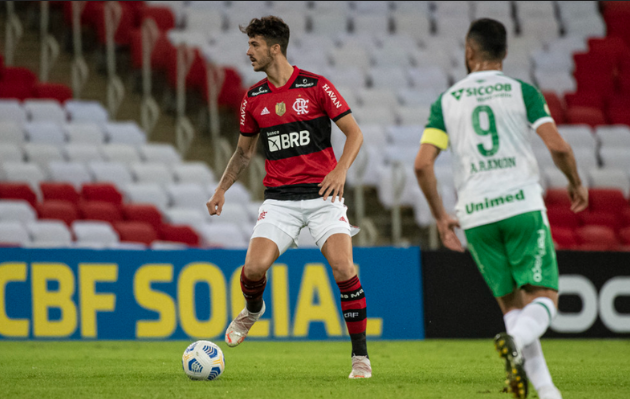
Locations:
{"points": [[300, 106]]}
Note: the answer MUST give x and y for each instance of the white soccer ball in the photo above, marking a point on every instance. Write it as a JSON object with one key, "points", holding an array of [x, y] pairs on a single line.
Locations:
{"points": [[203, 360]]}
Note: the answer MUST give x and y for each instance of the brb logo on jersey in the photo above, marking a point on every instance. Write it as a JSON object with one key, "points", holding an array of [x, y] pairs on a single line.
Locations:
{"points": [[283, 141], [300, 106]]}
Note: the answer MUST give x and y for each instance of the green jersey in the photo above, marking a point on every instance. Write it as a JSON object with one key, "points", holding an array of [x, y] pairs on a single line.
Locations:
{"points": [[487, 119]]}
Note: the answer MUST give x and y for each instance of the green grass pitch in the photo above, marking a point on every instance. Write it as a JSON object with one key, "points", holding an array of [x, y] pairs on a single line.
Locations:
{"points": [[415, 369]]}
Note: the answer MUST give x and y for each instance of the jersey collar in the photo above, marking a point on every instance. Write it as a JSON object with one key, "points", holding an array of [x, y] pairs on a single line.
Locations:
{"points": [[486, 73], [286, 86]]}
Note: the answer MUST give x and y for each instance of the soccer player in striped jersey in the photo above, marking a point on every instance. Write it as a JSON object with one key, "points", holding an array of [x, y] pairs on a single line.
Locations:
{"points": [[486, 119], [291, 111]]}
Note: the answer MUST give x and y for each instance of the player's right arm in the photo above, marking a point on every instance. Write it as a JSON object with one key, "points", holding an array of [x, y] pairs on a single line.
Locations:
{"points": [[563, 158]]}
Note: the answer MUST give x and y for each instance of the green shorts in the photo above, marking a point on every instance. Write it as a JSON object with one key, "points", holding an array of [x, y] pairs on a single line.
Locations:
{"points": [[514, 252]]}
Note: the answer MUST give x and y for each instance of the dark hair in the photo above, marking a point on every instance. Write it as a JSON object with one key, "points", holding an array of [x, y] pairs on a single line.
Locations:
{"points": [[273, 29], [490, 35]]}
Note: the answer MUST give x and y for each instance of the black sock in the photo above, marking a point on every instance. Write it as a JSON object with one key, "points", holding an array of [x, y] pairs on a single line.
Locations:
{"points": [[359, 344], [254, 306]]}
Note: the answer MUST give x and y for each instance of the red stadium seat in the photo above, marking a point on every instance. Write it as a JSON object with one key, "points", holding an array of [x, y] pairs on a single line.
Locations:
{"points": [[624, 235], [55, 91], [136, 232], [563, 217], [607, 200], [563, 237], [59, 210], [126, 23], [618, 107], [59, 191], [596, 238], [594, 218], [163, 17], [555, 106], [100, 210], [143, 213], [613, 48], [625, 216], [557, 197], [101, 192], [585, 115], [16, 191], [19, 75], [179, 233], [18, 90], [585, 99], [594, 73]]}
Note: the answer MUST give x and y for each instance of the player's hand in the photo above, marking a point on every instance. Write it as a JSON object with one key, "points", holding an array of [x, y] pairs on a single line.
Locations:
{"points": [[215, 204], [446, 228], [579, 198], [333, 184]]}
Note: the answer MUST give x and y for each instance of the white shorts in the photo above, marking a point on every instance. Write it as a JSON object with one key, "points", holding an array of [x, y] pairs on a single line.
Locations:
{"points": [[282, 221]]}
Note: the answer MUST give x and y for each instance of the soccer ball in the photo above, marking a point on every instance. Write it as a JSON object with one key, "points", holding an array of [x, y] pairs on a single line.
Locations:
{"points": [[203, 360]]}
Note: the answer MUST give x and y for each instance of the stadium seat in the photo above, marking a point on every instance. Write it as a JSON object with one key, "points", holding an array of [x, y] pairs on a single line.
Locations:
{"points": [[52, 91], [415, 97], [624, 235], [375, 24], [617, 136], [151, 172], [124, 153], [596, 238], [82, 153], [374, 114], [13, 234], [394, 56], [388, 77], [234, 213], [564, 237], [45, 133], [384, 98], [49, 233], [585, 99], [405, 136], [10, 153], [134, 231], [17, 191], [179, 233], [329, 24], [209, 20], [238, 193], [559, 82], [431, 77], [187, 195], [84, 133], [351, 57], [124, 133], [585, 115], [72, 172], [555, 106], [607, 200], [21, 75], [100, 210], [193, 172], [609, 178], [193, 217], [616, 158], [578, 136], [415, 24], [147, 193], [110, 172], [413, 116], [12, 111], [223, 235], [94, 233], [11, 133], [59, 192], [558, 198], [42, 154], [15, 90], [86, 111], [164, 17], [606, 219], [159, 152], [143, 213], [45, 111], [563, 217], [65, 211], [16, 210], [101, 192]]}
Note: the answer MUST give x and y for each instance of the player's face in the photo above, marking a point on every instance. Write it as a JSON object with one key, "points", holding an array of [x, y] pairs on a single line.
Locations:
{"points": [[259, 53]]}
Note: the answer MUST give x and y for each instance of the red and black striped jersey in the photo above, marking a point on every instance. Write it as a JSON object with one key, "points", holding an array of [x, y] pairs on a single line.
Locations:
{"points": [[294, 124]]}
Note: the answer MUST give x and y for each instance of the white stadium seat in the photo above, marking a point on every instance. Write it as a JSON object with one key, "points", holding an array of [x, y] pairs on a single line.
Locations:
{"points": [[49, 233], [111, 172], [385, 98], [350, 76], [405, 136], [124, 132], [388, 78], [429, 77], [86, 111], [374, 115], [586, 158], [425, 57], [187, 195], [578, 136], [452, 8], [371, 7], [12, 111], [223, 235], [147, 193], [206, 20], [13, 233], [159, 152], [414, 97], [616, 136], [42, 154], [45, 111], [84, 132], [585, 27], [151, 172], [94, 234], [559, 82], [121, 153], [413, 115], [193, 172], [16, 211], [552, 61], [371, 23], [74, 173], [610, 178], [236, 194], [82, 153], [329, 24], [372, 135], [542, 28], [615, 158], [29, 173], [11, 132], [193, 217], [11, 153], [350, 57], [327, 7], [45, 132], [414, 24], [455, 27], [234, 212], [412, 6]]}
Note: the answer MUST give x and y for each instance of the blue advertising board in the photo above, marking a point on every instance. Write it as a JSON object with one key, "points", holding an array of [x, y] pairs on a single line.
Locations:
{"points": [[125, 294]]}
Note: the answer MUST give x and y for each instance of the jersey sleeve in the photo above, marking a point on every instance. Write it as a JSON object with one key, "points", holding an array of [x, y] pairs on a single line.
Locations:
{"points": [[332, 103], [248, 125], [537, 109], [435, 129]]}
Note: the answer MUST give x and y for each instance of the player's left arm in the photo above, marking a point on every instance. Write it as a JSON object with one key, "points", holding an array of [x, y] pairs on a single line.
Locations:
{"points": [[334, 182]]}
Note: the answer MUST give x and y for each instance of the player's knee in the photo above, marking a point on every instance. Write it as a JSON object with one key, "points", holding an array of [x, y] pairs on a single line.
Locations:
{"points": [[255, 270], [343, 268]]}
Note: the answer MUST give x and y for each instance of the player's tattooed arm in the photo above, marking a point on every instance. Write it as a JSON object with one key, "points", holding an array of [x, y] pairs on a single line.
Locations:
{"points": [[245, 150], [428, 183]]}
